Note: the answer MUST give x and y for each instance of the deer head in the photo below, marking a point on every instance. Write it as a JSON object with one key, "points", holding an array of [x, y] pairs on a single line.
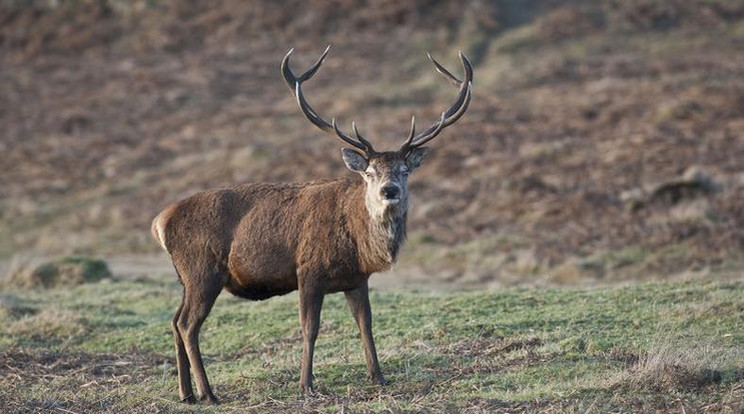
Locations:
{"points": [[385, 173]]}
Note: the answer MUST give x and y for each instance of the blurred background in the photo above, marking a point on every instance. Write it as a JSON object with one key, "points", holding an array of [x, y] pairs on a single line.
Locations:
{"points": [[604, 143]]}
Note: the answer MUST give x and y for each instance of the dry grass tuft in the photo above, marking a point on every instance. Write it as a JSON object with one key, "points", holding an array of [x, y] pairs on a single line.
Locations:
{"points": [[12, 307], [19, 265], [667, 367], [67, 271], [52, 324]]}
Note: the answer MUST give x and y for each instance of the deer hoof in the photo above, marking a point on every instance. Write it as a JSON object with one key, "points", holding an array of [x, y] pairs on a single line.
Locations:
{"points": [[210, 399], [189, 399], [307, 389]]}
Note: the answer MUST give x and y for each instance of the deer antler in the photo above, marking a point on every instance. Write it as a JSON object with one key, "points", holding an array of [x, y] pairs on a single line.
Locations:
{"points": [[449, 116], [295, 84]]}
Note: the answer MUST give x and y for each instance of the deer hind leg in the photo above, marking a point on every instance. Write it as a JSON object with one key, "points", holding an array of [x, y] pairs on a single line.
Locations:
{"points": [[358, 300], [311, 302], [198, 301], [182, 360]]}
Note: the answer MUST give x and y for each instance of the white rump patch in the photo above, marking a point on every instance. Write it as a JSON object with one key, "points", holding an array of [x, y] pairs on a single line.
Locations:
{"points": [[160, 229]]}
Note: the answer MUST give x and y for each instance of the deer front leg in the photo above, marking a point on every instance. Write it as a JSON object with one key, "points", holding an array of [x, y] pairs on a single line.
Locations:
{"points": [[358, 300], [311, 301]]}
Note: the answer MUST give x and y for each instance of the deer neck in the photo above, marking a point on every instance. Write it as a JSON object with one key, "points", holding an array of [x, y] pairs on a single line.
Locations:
{"points": [[383, 233]]}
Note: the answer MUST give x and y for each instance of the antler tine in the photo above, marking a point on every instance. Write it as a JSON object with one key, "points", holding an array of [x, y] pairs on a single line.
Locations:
{"points": [[310, 72], [349, 140], [435, 129], [360, 138], [412, 133], [438, 127], [451, 115], [441, 69], [465, 86], [467, 68], [295, 83], [290, 77]]}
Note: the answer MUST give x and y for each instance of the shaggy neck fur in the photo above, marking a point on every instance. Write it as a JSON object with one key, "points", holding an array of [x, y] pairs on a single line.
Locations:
{"points": [[386, 233]]}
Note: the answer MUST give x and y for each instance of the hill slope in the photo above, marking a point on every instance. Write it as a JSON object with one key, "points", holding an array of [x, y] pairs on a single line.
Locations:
{"points": [[603, 143]]}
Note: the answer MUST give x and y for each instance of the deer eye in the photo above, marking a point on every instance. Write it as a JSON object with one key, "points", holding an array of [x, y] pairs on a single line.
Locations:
{"points": [[404, 170]]}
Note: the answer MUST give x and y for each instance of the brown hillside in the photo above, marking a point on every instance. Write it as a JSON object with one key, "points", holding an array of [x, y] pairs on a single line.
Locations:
{"points": [[605, 139]]}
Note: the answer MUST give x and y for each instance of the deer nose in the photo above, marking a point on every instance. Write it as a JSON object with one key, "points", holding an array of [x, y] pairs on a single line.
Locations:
{"points": [[390, 191]]}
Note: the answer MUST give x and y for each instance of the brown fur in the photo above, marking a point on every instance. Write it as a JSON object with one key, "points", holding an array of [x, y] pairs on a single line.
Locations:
{"points": [[262, 240]]}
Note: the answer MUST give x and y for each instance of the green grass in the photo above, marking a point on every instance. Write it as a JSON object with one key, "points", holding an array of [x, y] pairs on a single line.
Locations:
{"points": [[107, 347]]}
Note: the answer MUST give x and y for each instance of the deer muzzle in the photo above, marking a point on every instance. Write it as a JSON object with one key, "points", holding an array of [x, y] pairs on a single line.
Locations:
{"points": [[390, 194]]}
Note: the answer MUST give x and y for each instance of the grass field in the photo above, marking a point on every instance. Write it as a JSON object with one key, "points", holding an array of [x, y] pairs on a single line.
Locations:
{"points": [[107, 347]]}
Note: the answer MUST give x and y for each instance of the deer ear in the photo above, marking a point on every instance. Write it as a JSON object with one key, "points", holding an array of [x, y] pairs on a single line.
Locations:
{"points": [[354, 160], [416, 157]]}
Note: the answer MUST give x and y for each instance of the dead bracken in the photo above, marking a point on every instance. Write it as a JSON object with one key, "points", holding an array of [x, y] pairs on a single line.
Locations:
{"points": [[589, 111]]}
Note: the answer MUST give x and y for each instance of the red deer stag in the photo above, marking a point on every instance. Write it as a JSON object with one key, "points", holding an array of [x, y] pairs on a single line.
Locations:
{"points": [[261, 240]]}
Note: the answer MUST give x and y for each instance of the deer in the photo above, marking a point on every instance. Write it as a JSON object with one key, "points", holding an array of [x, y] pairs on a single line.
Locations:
{"points": [[260, 240]]}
